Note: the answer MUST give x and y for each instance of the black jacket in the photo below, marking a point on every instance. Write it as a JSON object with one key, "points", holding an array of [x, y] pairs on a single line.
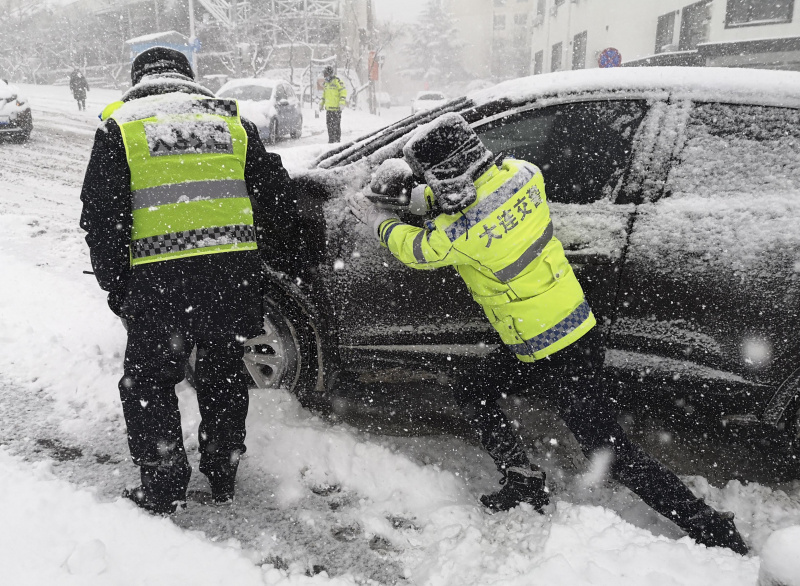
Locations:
{"points": [[107, 217]]}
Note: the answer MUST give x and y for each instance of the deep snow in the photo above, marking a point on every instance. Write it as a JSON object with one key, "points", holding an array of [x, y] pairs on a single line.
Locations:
{"points": [[318, 502]]}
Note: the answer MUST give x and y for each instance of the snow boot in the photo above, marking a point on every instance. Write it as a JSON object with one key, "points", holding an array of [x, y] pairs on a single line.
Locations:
{"points": [[163, 487], [522, 485], [715, 529], [221, 473]]}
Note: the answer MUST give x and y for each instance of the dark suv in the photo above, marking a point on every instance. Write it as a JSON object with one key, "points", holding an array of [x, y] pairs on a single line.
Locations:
{"points": [[676, 194]]}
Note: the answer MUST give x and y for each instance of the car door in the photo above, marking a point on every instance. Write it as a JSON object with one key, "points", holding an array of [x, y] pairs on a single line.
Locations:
{"points": [[710, 294], [386, 311]]}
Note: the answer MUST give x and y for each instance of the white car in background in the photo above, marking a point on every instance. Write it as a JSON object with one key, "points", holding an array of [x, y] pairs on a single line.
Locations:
{"points": [[271, 104], [16, 121], [427, 100]]}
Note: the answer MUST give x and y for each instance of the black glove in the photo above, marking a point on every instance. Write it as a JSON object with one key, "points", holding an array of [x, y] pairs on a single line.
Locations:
{"points": [[392, 184]]}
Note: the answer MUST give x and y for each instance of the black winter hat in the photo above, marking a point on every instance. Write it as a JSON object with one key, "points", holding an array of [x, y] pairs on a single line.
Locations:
{"points": [[157, 60], [449, 156]]}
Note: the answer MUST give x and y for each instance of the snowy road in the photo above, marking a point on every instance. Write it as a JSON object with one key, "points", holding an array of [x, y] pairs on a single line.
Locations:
{"points": [[317, 502]]}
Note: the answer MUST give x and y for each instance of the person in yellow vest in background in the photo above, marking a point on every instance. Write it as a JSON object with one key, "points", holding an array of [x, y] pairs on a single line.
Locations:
{"points": [[334, 99], [492, 223], [178, 198]]}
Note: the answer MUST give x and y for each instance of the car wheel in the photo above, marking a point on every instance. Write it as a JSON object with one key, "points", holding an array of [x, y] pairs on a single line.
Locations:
{"points": [[273, 131], [285, 356]]}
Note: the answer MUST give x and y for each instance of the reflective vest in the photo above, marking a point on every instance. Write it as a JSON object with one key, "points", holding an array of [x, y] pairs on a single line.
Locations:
{"points": [[334, 94], [186, 155], [503, 247]]}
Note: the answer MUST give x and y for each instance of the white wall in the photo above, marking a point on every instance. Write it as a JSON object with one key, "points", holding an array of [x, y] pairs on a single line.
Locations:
{"points": [[630, 27]]}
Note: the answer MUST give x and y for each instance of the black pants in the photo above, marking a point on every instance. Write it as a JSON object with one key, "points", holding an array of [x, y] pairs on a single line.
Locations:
{"points": [[209, 303], [572, 381], [334, 120]]}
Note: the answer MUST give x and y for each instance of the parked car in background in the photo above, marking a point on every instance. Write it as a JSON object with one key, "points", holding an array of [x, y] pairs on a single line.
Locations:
{"points": [[427, 101], [271, 104], [16, 120], [676, 195]]}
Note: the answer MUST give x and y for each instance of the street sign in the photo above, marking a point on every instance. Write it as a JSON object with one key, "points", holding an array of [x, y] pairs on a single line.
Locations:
{"points": [[609, 58]]}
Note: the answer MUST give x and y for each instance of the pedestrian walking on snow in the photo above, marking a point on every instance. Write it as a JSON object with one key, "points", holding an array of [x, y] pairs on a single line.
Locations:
{"points": [[179, 199], [491, 222], [78, 85], [334, 99]]}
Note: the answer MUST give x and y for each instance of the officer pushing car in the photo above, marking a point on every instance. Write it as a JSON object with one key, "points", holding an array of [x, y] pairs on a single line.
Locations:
{"points": [[490, 221]]}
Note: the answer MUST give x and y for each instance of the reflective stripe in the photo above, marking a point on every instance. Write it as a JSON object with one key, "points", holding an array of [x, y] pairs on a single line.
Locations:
{"points": [[417, 248], [190, 191], [192, 239], [527, 257], [386, 230], [486, 206], [554, 334]]}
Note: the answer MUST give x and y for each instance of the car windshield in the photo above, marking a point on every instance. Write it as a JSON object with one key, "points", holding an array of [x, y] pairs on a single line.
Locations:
{"points": [[431, 97], [247, 92]]}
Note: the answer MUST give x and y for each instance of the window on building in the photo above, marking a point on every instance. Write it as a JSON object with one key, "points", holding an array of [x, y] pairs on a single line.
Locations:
{"points": [[538, 62], [665, 31], [555, 57], [694, 25], [499, 21], [579, 51], [521, 19], [750, 12]]}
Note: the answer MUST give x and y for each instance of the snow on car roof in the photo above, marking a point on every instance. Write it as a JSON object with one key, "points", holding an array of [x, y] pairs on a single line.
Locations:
{"points": [[259, 81], [751, 85], [6, 90]]}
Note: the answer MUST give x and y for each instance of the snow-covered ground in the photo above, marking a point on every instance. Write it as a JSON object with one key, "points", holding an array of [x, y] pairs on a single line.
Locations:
{"points": [[317, 502]]}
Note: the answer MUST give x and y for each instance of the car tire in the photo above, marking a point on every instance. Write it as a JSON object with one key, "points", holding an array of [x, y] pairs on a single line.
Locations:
{"points": [[286, 356], [273, 131]]}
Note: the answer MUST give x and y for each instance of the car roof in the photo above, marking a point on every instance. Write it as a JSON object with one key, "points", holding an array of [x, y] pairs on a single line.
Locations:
{"points": [[728, 85], [259, 81], [429, 93]]}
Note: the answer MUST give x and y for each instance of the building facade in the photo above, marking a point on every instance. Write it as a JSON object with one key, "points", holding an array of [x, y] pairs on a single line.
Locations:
{"points": [[578, 34]]}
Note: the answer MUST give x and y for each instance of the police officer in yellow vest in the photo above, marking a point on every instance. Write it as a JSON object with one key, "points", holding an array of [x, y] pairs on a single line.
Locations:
{"points": [[178, 198], [493, 226], [334, 99]]}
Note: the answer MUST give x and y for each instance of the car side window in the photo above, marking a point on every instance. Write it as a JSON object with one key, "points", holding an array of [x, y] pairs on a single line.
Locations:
{"points": [[280, 93], [583, 149], [731, 150]]}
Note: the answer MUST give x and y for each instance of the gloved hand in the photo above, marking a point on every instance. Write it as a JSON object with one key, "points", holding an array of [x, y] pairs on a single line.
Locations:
{"points": [[367, 212], [321, 106], [391, 184]]}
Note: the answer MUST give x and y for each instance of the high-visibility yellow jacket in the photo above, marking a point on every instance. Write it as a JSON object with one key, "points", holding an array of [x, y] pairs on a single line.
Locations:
{"points": [[334, 94], [503, 247], [186, 155]]}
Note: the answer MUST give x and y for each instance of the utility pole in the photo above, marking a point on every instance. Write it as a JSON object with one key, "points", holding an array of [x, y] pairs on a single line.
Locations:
{"points": [[192, 36], [371, 55]]}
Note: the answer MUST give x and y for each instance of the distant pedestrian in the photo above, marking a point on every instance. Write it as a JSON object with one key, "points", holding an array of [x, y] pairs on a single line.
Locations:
{"points": [[334, 98], [78, 85]]}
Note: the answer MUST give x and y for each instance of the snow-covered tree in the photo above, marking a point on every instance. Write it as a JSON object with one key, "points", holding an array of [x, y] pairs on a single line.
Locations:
{"points": [[433, 51]]}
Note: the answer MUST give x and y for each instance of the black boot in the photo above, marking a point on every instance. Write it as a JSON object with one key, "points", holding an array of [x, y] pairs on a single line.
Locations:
{"points": [[522, 485], [714, 529], [221, 473], [163, 487]]}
